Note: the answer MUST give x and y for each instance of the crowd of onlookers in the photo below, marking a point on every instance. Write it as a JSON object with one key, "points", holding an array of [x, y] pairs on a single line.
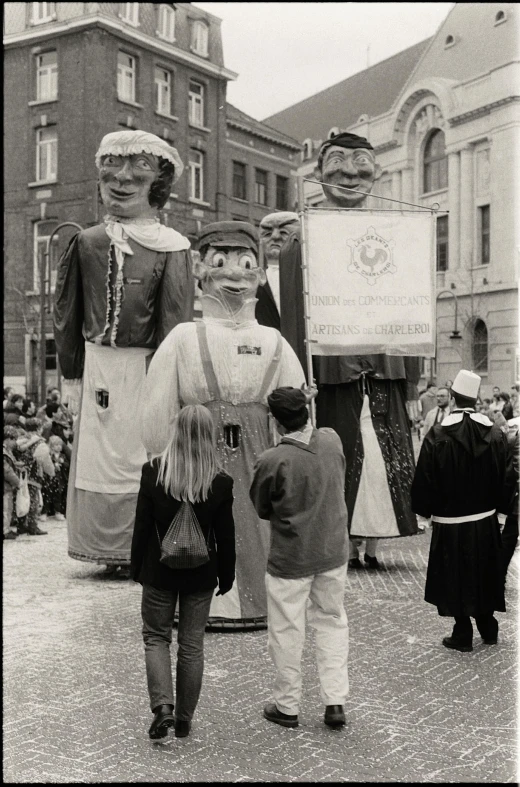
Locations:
{"points": [[36, 450], [435, 402]]}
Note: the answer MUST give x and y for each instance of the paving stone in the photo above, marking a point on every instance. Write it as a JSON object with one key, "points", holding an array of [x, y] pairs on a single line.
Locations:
{"points": [[76, 707]]}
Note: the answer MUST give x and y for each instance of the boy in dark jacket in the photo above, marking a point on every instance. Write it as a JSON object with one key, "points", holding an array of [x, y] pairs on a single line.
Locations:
{"points": [[299, 487]]}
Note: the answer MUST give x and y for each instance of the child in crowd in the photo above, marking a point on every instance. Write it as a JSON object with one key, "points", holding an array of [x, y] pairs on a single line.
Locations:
{"points": [[35, 456], [11, 479], [54, 489]]}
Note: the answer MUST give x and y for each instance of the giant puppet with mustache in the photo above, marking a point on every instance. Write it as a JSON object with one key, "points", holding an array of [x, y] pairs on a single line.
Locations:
{"points": [[121, 287], [229, 363], [365, 398]]}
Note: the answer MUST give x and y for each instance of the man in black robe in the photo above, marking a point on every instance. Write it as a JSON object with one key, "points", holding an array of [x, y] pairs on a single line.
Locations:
{"points": [[460, 483], [359, 395]]}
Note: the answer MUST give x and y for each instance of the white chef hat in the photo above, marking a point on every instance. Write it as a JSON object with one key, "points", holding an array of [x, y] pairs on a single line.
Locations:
{"points": [[128, 143], [466, 384]]}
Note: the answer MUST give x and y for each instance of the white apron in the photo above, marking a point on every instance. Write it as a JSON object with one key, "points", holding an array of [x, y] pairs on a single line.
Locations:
{"points": [[110, 452]]}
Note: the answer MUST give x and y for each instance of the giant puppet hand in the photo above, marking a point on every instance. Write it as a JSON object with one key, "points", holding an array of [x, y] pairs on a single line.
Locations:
{"points": [[71, 393]]}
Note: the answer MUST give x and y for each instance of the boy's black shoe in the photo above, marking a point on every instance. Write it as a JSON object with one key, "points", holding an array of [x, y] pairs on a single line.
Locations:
{"points": [[162, 719], [271, 713]]}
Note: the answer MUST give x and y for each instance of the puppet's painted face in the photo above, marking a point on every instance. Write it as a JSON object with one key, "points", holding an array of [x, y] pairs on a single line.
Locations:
{"points": [[274, 231], [230, 274], [353, 168], [125, 183]]}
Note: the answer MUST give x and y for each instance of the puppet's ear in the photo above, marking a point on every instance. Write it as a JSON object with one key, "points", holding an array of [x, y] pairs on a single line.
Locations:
{"points": [[262, 277], [199, 270], [377, 171]]}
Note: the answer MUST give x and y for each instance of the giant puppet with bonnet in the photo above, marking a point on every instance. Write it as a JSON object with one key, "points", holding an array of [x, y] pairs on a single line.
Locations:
{"points": [[365, 398], [121, 287], [230, 364]]}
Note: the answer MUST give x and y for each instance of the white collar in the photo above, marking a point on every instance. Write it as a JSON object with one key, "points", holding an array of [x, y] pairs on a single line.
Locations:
{"points": [[455, 418]]}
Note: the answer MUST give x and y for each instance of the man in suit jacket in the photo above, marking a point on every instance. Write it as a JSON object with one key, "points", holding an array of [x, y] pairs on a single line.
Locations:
{"points": [[438, 413], [275, 228]]}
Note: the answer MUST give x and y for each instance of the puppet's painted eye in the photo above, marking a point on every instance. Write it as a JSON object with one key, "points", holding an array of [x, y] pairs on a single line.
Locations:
{"points": [[112, 161], [218, 260], [247, 261]]}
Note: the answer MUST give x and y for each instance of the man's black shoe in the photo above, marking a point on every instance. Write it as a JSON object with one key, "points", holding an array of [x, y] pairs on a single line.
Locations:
{"points": [[372, 562], [10, 536], [490, 640], [182, 728], [37, 532], [162, 719], [334, 716], [271, 713], [355, 562], [456, 644]]}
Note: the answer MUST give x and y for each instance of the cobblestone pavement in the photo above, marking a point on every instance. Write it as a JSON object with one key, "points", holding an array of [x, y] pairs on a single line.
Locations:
{"points": [[76, 706]]}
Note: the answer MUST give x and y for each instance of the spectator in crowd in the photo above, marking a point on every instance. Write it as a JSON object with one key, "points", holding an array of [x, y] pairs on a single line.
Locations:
{"points": [[54, 489], [188, 471], [515, 400], [13, 411], [507, 407], [60, 427], [448, 384], [428, 399], [486, 407], [299, 487], [11, 479], [510, 530], [437, 414], [460, 483], [28, 408], [35, 455], [496, 402], [8, 390]]}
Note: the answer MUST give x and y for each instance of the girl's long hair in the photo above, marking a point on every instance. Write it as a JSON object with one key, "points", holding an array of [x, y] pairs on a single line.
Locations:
{"points": [[189, 463]]}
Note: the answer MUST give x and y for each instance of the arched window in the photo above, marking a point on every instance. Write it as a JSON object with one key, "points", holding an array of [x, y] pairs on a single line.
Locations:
{"points": [[307, 149], [479, 347], [435, 166], [449, 41], [500, 17], [334, 131]]}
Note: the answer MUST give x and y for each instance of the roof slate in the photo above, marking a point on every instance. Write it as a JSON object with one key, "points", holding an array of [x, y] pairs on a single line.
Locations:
{"points": [[235, 115], [370, 92]]}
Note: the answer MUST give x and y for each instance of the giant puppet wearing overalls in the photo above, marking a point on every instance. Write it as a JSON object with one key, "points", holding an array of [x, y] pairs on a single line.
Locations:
{"points": [[121, 287], [229, 363], [363, 397]]}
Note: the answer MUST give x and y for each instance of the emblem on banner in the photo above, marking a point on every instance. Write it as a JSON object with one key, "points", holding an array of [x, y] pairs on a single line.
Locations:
{"points": [[371, 256]]}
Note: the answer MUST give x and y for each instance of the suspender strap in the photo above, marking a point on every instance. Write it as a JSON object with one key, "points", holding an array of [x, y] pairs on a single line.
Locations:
{"points": [[207, 365], [271, 369]]}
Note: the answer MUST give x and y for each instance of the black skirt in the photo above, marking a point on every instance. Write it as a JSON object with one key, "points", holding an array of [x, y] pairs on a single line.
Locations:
{"points": [[464, 575]]}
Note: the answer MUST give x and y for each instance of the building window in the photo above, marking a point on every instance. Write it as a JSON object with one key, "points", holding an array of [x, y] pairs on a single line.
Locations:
{"points": [[196, 167], [47, 76], [449, 41], [126, 77], [239, 180], [261, 186], [46, 154], [307, 149], [442, 244], [43, 12], [282, 192], [484, 217], [130, 13], [196, 104], [42, 232], [166, 23], [163, 91], [500, 17], [479, 347], [199, 38], [435, 170], [50, 355]]}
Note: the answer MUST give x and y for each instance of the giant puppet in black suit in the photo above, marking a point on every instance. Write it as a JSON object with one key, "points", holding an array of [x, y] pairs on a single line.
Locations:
{"points": [[275, 229], [363, 397]]}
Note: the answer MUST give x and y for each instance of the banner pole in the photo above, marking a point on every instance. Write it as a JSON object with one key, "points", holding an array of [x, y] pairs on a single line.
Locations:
{"points": [[306, 305]]}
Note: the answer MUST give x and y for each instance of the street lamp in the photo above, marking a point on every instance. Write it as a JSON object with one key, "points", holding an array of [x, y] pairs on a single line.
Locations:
{"points": [[45, 308], [455, 334]]}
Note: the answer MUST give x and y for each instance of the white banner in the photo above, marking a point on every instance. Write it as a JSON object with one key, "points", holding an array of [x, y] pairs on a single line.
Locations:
{"points": [[370, 282]]}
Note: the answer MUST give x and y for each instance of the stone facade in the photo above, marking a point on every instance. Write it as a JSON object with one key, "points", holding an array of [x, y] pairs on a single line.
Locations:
{"points": [[477, 110]]}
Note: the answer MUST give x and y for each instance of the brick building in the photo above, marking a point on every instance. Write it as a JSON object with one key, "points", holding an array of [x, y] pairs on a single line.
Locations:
{"points": [[444, 119], [76, 71]]}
